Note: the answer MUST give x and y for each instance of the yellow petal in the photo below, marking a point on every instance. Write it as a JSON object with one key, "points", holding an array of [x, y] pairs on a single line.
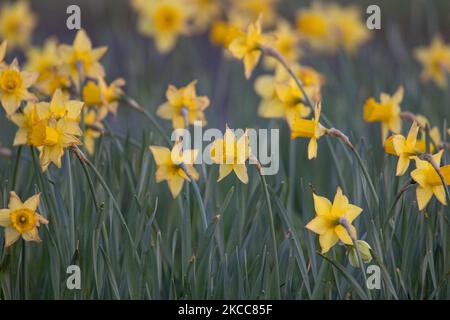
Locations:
{"points": [[312, 148], [73, 108], [264, 87], [352, 212], [438, 156], [328, 240], [423, 196], [340, 204], [224, 170], [322, 205], [14, 201], [271, 109], [11, 236], [175, 185], [33, 202], [82, 41], [250, 61], [412, 134], [343, 235], [5, 219], [162, 155], [319, 225], [165, 111], [402, 165], [241, 172], [439, 192], [32, 235]]}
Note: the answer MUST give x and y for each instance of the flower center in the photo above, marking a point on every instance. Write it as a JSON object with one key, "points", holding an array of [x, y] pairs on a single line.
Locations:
{"points": [[23, 220], [10, 80], [44, 135], [168, 19]]}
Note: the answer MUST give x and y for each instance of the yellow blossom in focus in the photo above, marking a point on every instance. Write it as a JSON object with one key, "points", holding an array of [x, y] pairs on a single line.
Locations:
{"points": [[60, 108], [247, 47], [309, 129], [81, 60], [435, 61], [170, 166], [25, 122], [428, 180], [183, 106], [403, 148], [14, 85], [163, 20], [103, 96], [387, 111], [21, 219], [329, 220], [286, 42], [94, 128], [16, 23], [231, 153], [47, 64]]}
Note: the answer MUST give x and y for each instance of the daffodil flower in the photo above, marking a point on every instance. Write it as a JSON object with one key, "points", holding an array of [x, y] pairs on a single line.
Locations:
{"points": [[171, 166], [247, 47], [60, 108], [231, 154], [183, 105], [16, 23], [21, 219], [14, 85], [81, 57], [387, 111], [309, 129], [428, 180], [103, 96], [403, 148], [329, 220], [436, 61]]}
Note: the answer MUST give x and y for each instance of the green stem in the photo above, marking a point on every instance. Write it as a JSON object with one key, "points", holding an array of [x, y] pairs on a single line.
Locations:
{"points": [[24, 270], [71, 203], [366, 175], [273, 236], [16, 168]]}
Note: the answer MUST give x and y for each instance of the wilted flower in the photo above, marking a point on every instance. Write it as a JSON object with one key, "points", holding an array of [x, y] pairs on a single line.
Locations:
{"points": [[364, 252], [309, 129], [329, 220], [231, 154], [183, 106], [436, 61], [170, 166], [16, 23], [403, 148], [387, 111], [14, 85], [428, 180], [81, 60], [21, 219]]}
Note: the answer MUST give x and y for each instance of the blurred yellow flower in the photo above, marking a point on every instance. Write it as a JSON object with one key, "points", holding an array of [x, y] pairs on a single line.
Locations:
{"points": [[25, 121], [247, 47], [435, 61], [314, 24], [16, 23], [309, 129], [170, 166], [104, 97], [204, 13], [286, 42], [163, 20], [21, 219], [183, 106], [46, 62], [3, 47], [14, 85], [223, 33], [60, 108], [94, 128], [403, 148], [250, 10], [330, 218], [428, 180], [82, 58], [387, 111], [231, 154]]}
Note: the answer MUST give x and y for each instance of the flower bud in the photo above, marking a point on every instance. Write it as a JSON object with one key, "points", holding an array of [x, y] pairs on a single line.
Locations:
{"points": [[364, 251]]}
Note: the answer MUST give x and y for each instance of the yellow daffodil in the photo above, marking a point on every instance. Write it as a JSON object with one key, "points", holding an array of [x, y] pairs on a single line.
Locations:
{"points": [[286, 42], [46, 62], [94, 128], [287, 102], [163, 20], [170, 166], [82, 58], [16, 23], [403, 148], [387, 111], [314, 25], [183, 105], [435, 61], [52, 137], [435, 141], [331, 218], [428, 180], [247, 47], [59, 108], [25, 121], [250, 10], [104, 97], [204, 13], [14, 85], [21, 219], [309, 129], [231, 153], [224, 32]]}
